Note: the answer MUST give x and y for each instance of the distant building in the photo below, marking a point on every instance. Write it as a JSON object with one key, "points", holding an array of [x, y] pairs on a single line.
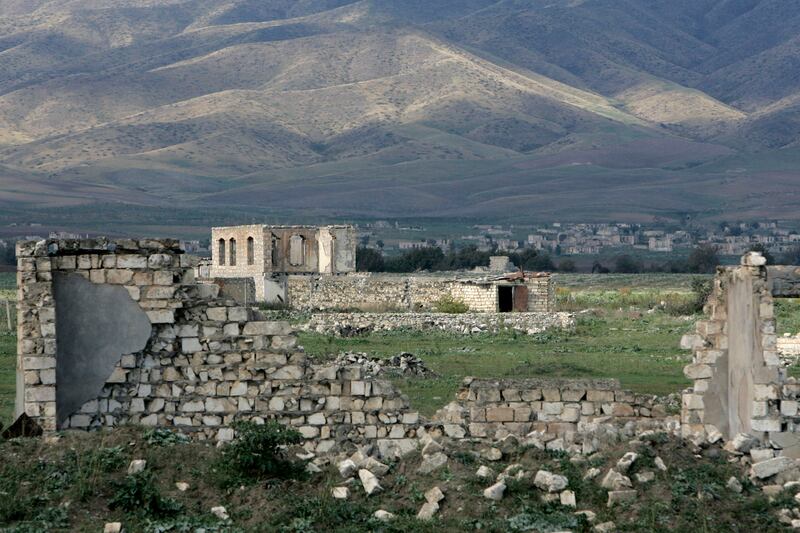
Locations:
{"points": [[267, 253]]}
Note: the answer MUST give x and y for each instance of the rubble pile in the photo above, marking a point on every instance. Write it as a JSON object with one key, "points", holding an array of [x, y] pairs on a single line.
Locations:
{"points": [[404, 364]]}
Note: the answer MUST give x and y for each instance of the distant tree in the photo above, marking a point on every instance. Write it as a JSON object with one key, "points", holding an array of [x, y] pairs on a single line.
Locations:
{"points": [[530, 259], [763, 250], [369, 260], [415, 260], [597, 268], [791, 257], [379, 244], [626, 264], [567, 265], [703, 259]]}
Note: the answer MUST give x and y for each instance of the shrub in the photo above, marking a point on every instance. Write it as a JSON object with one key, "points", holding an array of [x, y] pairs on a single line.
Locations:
{"points": [[259, 454], [164, 437], [448, 304], [138, 493]]}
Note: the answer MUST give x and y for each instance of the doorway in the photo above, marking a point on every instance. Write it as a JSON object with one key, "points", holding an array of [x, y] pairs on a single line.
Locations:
{"points": [[505, 298]]}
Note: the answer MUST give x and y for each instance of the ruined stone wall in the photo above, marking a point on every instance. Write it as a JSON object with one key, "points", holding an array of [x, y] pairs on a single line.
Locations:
{"points": [[386, 292], [466, 323], [739, 385], [207, 362], [492, 408]]}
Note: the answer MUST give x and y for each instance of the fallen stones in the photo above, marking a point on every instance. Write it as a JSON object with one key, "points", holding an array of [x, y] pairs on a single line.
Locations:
{"points": [[624, 464], [567, 499], [113, 527], [182, 486], [376, 467], [615, 481], [220, 512], [495, 492], [369, 482], [428, 511], [492, 454], [347, 468], [432, 463], [740, 444], [659, 462], [616, 497], [383, 515], [550, 482], [340, 493], [484, 472], [734, 485], [592, 473], [431, 447], [605, 527], [136, 466], [591, 516], [645, 477], [434, 495], [770, 467]]}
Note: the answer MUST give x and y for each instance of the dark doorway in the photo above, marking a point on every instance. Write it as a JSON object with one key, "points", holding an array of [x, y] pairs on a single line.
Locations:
{"points": [[505, 297]]}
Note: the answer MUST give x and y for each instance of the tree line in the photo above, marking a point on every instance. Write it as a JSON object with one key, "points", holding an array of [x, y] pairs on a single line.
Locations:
{"points": [[703, 259]]}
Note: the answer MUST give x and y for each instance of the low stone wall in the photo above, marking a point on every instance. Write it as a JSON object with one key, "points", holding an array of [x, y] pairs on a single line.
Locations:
{"points": [[492, 408], [466, 323], [388, 292]]}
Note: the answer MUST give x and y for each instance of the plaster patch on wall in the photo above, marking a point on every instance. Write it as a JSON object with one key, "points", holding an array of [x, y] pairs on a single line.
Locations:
{"points": [[96, 325]]}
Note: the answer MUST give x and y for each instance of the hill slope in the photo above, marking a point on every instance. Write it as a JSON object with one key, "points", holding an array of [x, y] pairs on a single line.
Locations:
{"points": [[515, 109]]}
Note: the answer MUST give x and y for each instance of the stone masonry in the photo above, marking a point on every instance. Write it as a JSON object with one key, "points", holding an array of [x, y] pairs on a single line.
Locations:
{"points": [[389, 292], [739, 383], [207, 363]]}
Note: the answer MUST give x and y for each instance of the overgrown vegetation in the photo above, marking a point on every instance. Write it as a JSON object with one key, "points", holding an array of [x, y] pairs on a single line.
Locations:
{"points": [[259, 454], [448, 304], [39, 485]]}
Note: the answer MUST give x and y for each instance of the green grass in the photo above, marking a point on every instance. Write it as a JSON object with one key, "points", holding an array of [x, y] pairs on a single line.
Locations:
{"points": [[641, 350], [8, 349], [787, 315]]}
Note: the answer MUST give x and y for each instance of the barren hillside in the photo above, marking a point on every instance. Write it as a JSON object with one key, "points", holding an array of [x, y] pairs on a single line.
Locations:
{"points": [[514, 108]]}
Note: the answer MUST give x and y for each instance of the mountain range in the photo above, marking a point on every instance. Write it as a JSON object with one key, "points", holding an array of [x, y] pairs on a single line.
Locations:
{"points": [[511, 109]]}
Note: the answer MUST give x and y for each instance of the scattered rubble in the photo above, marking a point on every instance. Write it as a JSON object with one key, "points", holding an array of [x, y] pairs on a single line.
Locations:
{"points": [[403, 364]]}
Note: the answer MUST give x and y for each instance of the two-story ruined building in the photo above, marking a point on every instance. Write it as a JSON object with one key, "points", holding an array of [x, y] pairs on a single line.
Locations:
{"points": [[268, 253]]}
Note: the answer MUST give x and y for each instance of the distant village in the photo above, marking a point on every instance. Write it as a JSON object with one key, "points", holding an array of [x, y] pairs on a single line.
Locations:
{"points": [[555, 238], [592, 239]]}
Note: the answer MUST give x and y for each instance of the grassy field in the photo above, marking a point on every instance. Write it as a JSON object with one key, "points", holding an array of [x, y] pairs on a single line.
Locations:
{"points": [[8, 347], [638, 348]]}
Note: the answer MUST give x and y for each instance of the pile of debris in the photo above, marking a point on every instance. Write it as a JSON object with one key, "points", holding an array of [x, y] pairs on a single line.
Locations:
{"points": [[403, 364]]}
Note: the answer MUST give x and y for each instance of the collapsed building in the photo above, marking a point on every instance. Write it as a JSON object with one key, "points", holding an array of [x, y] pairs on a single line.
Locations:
{"points": [[120, 332], [313, 268]]}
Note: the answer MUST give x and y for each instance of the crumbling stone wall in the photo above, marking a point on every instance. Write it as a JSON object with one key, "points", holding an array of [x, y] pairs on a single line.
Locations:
{"points": [[528, 323], [387, 292], [207, 362], [559, 408], [739, 383]]}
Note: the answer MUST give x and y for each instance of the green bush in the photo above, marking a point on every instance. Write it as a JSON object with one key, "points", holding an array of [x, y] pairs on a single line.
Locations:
{"points": [[164, 437], [138, 493], [259, 453], [448, 304]]}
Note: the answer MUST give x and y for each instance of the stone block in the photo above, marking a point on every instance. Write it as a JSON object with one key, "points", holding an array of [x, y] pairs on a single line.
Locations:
{"points": [[500, 414]]}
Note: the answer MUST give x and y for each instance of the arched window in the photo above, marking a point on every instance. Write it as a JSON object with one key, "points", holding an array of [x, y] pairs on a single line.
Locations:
{"points": [[251, 251], [297, 250], [221, 252], [232, 261]]}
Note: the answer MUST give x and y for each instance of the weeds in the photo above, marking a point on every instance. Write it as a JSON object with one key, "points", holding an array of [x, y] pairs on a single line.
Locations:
{"points": [[259, 454], [164, 437], [448, 304], [138, 494]]}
